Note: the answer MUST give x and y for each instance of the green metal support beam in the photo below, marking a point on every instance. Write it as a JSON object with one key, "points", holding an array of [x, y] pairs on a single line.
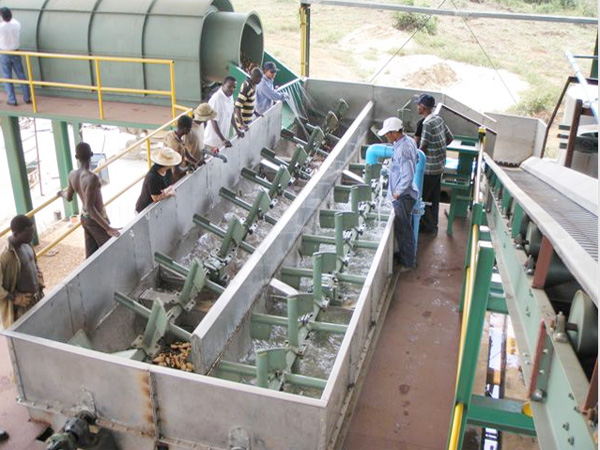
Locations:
{"points": [[501, 414], [16, 166], [60, 130], [474, 330]]}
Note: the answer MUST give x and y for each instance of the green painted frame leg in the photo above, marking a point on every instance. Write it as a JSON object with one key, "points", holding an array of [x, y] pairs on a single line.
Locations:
{"points": [[476, 219], [60, 131], [474, 330], [16, 166]]}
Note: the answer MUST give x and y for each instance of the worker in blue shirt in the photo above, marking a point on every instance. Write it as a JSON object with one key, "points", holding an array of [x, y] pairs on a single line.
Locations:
{"points": [[266, 94], [402, 189]]}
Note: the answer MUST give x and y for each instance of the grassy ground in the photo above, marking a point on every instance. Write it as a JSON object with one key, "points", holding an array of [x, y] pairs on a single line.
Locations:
{"points": [[532, 50]]}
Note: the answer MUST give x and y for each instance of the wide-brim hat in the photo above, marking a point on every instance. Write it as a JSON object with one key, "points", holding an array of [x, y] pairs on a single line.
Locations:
{"points": [[166, 157], [204, 112], [390, 124]]}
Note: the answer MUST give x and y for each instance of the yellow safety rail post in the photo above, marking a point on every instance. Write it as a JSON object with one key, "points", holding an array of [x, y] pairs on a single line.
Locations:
{"points": [[98, 88], [99, 84], [479, 263], [31, 86], [109, 161], [304, 39]]}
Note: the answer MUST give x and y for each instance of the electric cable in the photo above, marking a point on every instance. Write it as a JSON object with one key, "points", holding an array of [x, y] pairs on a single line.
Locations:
{"points": [[490, 61], [404, 45]]}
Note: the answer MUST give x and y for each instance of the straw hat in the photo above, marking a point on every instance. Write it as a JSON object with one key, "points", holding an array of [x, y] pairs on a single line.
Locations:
{"points": [[166, 157], [204, 112]]}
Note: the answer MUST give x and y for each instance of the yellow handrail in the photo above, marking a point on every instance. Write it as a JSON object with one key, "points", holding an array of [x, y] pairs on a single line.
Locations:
{"points": [[139, 142], [59, 239], [455, 432], [93, 87]]}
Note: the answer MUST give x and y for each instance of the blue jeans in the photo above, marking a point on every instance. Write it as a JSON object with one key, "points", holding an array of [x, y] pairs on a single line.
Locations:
{"points": [[403, 230], [10, 63]]}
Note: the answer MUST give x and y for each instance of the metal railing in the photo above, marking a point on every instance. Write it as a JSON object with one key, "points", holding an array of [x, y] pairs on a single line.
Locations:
{"points": [[97, 87], [142, 141], [469, 286]]}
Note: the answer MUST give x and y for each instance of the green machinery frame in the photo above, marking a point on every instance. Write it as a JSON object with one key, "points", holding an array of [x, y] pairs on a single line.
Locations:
{"points": [[561, 399]]}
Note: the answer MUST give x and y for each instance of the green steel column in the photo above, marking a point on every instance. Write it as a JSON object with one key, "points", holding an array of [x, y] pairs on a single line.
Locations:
{"points": [[262, 368], [16, 166], [339, 234], [476, 219], [292, 313], [474, 330], [60, 130], [354, 200], [318, 278]]}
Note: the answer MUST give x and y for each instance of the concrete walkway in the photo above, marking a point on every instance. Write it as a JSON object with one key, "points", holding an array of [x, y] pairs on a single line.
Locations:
{"points": [[407, 397]]}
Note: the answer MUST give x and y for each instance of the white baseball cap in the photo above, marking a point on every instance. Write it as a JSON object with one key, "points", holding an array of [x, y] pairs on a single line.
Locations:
{"points": [[390, 124]]}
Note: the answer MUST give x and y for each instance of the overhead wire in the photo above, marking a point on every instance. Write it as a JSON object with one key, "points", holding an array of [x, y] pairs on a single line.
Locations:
{"points": [[429, 16], [517, 105]]}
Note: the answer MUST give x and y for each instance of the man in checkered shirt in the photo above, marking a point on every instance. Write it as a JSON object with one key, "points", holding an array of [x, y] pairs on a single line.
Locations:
{"points": [[435, 137]]}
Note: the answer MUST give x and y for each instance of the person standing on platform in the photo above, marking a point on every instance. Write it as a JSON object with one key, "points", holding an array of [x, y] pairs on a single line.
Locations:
{"points": [[402, 189], [217, 131], [10, 40], [86, 184], [244, 104], [266, 94], [158, 184], [435, 137], [21, 280]]}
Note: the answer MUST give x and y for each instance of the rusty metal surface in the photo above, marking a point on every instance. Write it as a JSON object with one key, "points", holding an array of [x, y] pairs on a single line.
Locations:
{"points": [[407, 396], [581, 224]]}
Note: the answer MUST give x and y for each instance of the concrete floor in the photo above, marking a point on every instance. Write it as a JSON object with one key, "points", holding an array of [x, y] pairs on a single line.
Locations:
{"points": [[407, 397]]}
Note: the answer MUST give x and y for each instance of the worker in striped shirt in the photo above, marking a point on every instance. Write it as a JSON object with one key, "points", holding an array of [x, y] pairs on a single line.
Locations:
{"points": [[435, 137], [244, 105]]}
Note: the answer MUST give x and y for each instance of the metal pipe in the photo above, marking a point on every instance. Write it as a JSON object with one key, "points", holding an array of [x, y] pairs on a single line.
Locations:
{"points": [[262, 368], [99, 83], [269, 319], [456, 421], [582, 80], [326, 327], [317, 274], [455, 13], [292, 320], [141, 310], [304, 381], [339, 234], [237, 368], [31, 85]]}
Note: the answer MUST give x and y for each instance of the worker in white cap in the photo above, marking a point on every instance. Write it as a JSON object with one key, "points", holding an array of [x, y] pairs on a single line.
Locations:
{"points": [[402, 189]]}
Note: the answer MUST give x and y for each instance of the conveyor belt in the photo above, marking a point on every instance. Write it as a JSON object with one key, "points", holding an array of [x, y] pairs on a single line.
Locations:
{"points": [[581, 224]]}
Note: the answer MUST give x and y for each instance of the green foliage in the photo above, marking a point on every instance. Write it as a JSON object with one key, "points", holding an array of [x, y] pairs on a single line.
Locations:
{"points": [[407, 21], [536, 103]]}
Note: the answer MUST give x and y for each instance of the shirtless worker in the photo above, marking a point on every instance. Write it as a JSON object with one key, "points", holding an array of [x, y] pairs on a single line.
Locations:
{"points": [[86, 183], [21, 280]]}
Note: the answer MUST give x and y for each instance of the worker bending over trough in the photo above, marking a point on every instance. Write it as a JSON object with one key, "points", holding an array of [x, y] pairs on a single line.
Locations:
{"points": [[158, 183], [179, 140], [402, 189]]}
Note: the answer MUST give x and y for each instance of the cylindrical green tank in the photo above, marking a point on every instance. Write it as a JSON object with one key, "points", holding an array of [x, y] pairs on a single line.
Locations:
{"points": [[202, 36]]}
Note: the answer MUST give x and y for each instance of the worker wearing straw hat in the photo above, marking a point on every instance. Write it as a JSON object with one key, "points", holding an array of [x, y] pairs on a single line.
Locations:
{"points": [[195, 138], [158, 184]]}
